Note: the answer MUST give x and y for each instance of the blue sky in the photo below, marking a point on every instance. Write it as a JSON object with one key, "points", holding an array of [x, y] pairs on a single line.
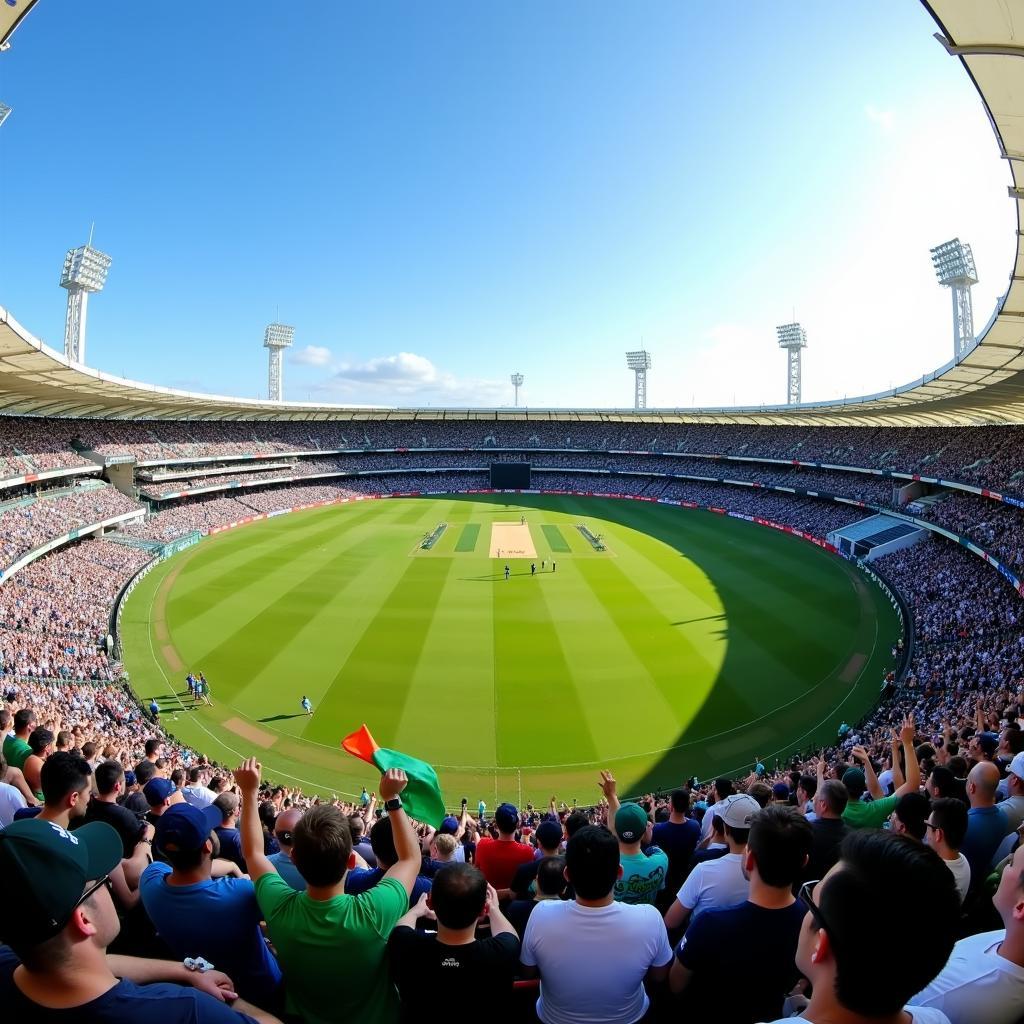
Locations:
{"points": [[438, 195]]}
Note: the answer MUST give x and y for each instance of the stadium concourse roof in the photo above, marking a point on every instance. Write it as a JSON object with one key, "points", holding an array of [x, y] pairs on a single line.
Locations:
{"points": [[985, 386]]}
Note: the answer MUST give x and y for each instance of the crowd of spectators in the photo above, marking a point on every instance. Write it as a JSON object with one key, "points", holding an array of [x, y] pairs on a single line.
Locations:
{"points": [[30, 523], [912, 816]]}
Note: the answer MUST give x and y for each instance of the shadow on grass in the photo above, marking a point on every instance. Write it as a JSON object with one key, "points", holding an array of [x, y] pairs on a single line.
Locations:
{"points": [[282, 718]]}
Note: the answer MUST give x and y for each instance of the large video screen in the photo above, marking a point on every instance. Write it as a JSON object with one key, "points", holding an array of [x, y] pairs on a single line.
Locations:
{"points": [[510, 476]]}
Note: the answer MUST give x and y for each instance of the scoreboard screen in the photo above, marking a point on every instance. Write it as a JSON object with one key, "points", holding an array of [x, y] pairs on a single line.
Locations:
{"points": [[510, 476]]}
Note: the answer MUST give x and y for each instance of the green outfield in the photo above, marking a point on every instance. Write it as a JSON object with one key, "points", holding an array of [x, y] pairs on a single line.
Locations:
{"points": [[691, 644]]}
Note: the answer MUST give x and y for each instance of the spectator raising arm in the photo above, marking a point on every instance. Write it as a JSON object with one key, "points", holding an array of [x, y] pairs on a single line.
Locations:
{"points": [[907, 734], [407, 867], [247, 778], [870, 778], [607, 787]]}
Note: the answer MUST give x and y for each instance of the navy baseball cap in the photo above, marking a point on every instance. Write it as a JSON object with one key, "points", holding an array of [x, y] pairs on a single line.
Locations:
{"points": [[549, 834], [156, 791], [184, 828], [129, 778], [449, 826], [506, 817]]}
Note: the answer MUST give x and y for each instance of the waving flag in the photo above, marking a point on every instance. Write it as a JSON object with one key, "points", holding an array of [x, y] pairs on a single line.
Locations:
{"points": [[422, 796]]}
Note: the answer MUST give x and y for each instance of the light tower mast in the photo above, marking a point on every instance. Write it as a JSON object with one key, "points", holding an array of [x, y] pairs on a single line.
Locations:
{"points": [[4, 112], [276, 338], [85, 271], [954, 268], [793, 338], [517, 383], [639, 362]]}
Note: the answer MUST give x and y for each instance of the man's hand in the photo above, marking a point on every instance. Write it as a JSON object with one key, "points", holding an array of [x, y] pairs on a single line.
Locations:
{"points": [[909, 730], [392, 782], [491, 903], [860, 754], [247, 775], [607, 785], [422, 910], [214, 983]]}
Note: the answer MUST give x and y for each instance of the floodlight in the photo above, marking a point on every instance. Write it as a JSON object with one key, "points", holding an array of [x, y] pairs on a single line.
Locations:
{"points": [[276, 338], [639, 362], [954, 269], [85, 271], [5, 112], [517, 383], [793, 338]]}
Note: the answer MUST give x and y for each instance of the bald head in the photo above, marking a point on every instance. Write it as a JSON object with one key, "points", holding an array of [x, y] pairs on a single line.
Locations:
{"points": [[284, 825], [982, 783]]}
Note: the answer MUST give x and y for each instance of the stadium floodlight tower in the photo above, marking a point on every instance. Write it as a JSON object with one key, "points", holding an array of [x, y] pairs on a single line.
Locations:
{"points": [[276, 338], [5, 112], [639, 362], [517, 383], [85, 272], [793, 338], [954, 269]]}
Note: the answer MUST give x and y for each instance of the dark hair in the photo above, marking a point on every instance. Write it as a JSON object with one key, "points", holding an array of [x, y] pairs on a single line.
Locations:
{"points": [[194, 773], [185, 860], [178, 777], [23, 718], [809, 784], [144, 772], [943, 780], [912, 809], [1014, 738], [761, 792], [835, 795], [458, 895], [724, 788], [551, 876], [680, 801], [227, 804], [322, 845], [63, 774], [592, 859], [108, 775], [780, 840], [382, 841], [950, 815], [39, 739], [267, 815], [576, 821], [886, 877], [738, 835], [88, 749], [357, 825], [153, 745]]}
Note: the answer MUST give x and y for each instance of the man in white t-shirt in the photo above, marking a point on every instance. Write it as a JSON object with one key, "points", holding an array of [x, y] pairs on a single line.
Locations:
{"points": [[593, 954], [718, 883], [10, 799], [1013, 805], [879, 877], [984, 976], [721, 790], [945, 828]]}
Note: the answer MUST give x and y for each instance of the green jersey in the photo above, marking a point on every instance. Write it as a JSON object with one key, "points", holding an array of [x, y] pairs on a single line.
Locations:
{"points": [[873, 814], [333, 951], [643, 876], [16, 752]]}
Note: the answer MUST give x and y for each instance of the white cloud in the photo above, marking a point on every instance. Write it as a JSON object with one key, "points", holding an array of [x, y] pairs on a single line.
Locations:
{"points": [[311, 355], [884, 119], [407, 378]]}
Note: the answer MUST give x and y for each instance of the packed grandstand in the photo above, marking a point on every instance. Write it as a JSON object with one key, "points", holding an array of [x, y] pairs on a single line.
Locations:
{"points": [[139, 877]]}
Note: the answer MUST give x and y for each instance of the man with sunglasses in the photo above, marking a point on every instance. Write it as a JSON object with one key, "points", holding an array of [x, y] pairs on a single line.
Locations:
{"points": [[284, 833], [58, 920], [879, 877]]}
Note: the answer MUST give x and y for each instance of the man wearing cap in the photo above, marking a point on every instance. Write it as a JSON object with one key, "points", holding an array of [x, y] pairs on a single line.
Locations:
{"points": [[768, 922], [643, 875], [873, 814], [59, 919], [1013, 805], [198, 915], [160, 794], [721, 882], [284, 833], [499, 858]]}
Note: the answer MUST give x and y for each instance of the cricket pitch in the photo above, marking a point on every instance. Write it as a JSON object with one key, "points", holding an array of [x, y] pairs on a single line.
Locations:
{"points": [[512, 540]]}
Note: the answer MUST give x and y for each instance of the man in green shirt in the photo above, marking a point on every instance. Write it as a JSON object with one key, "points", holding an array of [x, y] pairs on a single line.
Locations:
{"points": [[873, 814], [16, 748], [331, 947]]}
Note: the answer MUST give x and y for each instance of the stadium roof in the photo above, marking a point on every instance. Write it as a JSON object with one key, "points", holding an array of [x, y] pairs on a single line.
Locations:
{"points": [[985, 386], [11, 15]]}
